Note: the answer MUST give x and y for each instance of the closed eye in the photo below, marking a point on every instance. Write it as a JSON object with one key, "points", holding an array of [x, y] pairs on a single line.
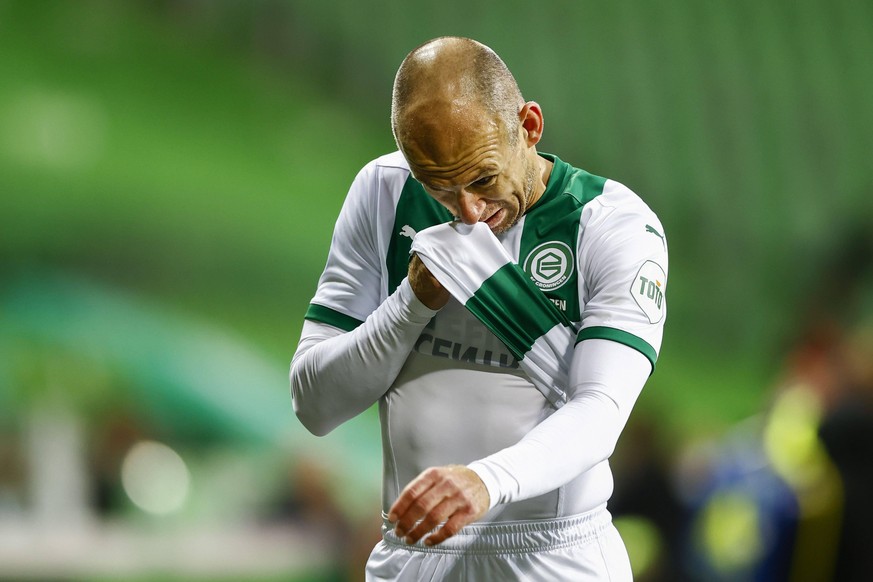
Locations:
{"points": [[485, 181]]}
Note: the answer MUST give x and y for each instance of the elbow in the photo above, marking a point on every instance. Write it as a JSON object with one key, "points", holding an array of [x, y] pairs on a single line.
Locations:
{"points": [[313, 423], [307, 409], [309, 416]]}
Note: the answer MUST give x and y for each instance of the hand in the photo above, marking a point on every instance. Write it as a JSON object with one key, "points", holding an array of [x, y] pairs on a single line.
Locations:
{"points": [[452, 494], [426, 287]]}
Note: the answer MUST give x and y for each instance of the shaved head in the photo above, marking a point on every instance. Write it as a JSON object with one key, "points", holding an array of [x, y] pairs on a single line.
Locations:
{"points": [[467, 134], [453, 77]]}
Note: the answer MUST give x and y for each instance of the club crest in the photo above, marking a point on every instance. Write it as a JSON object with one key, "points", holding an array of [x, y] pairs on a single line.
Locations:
{"points": [[550, 265]]}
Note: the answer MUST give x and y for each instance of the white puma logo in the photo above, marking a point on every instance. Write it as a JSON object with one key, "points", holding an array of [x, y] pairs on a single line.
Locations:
{"points": [[407, 231]]}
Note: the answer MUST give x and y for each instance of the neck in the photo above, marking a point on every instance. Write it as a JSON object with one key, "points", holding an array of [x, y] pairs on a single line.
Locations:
{"points": [[542, 171]]}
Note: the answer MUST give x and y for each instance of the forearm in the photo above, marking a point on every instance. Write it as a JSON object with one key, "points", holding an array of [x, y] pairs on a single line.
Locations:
{"points": [[337, 375], [606, 379]]}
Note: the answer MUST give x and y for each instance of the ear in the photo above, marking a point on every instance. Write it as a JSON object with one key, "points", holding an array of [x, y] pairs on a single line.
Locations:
{"points": [[531, 117]]}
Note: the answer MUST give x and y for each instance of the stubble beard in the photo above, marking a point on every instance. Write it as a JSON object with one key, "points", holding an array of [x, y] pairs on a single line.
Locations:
{"points": [[530, 177]]}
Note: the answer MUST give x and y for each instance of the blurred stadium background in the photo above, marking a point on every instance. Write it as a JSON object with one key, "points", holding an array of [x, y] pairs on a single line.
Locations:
{"points": [[170, 172]]}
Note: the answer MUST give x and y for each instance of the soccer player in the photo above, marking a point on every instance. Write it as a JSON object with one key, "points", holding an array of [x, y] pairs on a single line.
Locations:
{"points": [[505, 352]]}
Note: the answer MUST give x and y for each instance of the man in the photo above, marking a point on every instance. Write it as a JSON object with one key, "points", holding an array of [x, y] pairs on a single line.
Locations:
{"points": [[506, 353]]}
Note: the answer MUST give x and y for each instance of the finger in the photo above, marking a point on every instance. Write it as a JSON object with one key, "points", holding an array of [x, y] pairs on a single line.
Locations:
{"points": [[451, 527], [420, 508], [434, 517], [416, 488]]}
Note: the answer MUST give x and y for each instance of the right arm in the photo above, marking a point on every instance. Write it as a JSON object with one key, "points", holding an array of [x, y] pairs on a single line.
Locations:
{"points": [[336, 375], [353, 344]]}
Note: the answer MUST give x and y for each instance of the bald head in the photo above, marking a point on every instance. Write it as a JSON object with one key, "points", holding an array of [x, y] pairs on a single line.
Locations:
{"points": [[453, 77]]}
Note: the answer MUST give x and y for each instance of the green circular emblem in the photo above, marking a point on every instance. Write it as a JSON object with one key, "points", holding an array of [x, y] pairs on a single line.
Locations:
{"points": [[550, 264]]}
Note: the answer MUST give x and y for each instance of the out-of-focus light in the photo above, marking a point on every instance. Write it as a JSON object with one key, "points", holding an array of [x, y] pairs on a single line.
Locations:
{"points": [[791, 437], [730, 530], [642, 540], [155, 477]]}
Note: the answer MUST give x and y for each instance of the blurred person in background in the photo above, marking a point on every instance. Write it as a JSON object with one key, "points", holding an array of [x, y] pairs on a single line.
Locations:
{"points": [[846, 432], [645, 493], [834, 362], [12, 474], [506, 355], [308, 501], [786, 495]]}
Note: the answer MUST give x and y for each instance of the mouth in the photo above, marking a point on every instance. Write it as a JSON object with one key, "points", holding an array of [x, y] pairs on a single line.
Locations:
{"points": [[495, 219]]}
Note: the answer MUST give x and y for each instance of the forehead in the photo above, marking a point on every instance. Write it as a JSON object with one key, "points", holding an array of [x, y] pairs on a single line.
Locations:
{"points": [[447, 147]]}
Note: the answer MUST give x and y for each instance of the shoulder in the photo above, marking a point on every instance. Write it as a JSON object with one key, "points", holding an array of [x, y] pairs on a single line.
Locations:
{"points": [[603, 207], [619, 208], [389, 166], [619, 228], [393, 161], [381, 177], [595, 197]]}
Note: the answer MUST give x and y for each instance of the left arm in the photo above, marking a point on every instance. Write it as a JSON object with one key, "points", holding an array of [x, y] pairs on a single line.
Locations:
{"points": [[606, 379]]}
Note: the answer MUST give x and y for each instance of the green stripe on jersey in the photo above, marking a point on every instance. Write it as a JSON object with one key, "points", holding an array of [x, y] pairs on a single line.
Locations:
{"points": [[332, 317], [553, 223], [512, 307], [622, 337], [415, 211]]}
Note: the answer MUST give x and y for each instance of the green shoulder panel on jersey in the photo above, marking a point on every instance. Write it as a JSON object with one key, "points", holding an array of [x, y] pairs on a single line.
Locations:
{"points": [[332, 317], [622, 337], [548, 246], [415, 211]]}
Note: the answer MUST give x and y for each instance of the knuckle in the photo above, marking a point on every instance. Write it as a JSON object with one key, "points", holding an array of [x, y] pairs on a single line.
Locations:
{"points": [[427, 524], [441, 514]]}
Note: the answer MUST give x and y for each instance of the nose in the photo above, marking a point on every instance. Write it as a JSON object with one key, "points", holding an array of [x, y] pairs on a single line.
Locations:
{"points": [[470, 207]]}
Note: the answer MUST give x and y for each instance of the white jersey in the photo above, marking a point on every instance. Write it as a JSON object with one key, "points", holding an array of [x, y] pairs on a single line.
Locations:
{"points": [[593, 249]]}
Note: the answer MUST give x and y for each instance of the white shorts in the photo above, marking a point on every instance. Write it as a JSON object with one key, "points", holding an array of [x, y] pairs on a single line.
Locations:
{"points": [[581, 547]]}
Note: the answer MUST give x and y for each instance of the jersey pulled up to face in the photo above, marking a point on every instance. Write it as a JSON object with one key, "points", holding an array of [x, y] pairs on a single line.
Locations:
{"points": [[590, 245]]}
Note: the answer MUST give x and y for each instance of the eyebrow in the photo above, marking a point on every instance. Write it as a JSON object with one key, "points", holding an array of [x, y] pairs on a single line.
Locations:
{"points": [[488, 171]]}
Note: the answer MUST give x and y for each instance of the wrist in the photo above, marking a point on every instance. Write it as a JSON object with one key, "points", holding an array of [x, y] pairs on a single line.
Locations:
{"points": [[489, 480], [418, 311]]}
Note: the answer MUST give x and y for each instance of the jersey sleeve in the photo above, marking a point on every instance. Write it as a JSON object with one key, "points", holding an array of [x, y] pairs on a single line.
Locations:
{"points": [[349, 288], [623, 258]]}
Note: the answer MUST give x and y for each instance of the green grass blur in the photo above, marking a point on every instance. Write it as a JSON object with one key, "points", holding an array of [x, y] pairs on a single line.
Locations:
{"points": [[179, 173], [197, 154]]}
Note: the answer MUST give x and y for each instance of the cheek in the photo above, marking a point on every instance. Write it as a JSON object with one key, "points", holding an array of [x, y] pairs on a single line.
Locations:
{"points": [[510, 191], [446, 202]]}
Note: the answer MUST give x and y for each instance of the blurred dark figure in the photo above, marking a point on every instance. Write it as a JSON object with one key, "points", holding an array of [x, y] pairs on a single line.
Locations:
{"points": [[644, 489], [310, 503], [13, 474], [836, 360], [847, 433], [111, 440]]}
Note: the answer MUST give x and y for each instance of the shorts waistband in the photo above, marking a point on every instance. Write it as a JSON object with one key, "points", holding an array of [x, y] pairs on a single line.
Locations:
{"points": [[513, 536]]}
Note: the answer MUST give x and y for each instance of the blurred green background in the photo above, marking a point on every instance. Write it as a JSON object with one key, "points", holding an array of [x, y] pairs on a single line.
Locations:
{"points": [[170, 172]]}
